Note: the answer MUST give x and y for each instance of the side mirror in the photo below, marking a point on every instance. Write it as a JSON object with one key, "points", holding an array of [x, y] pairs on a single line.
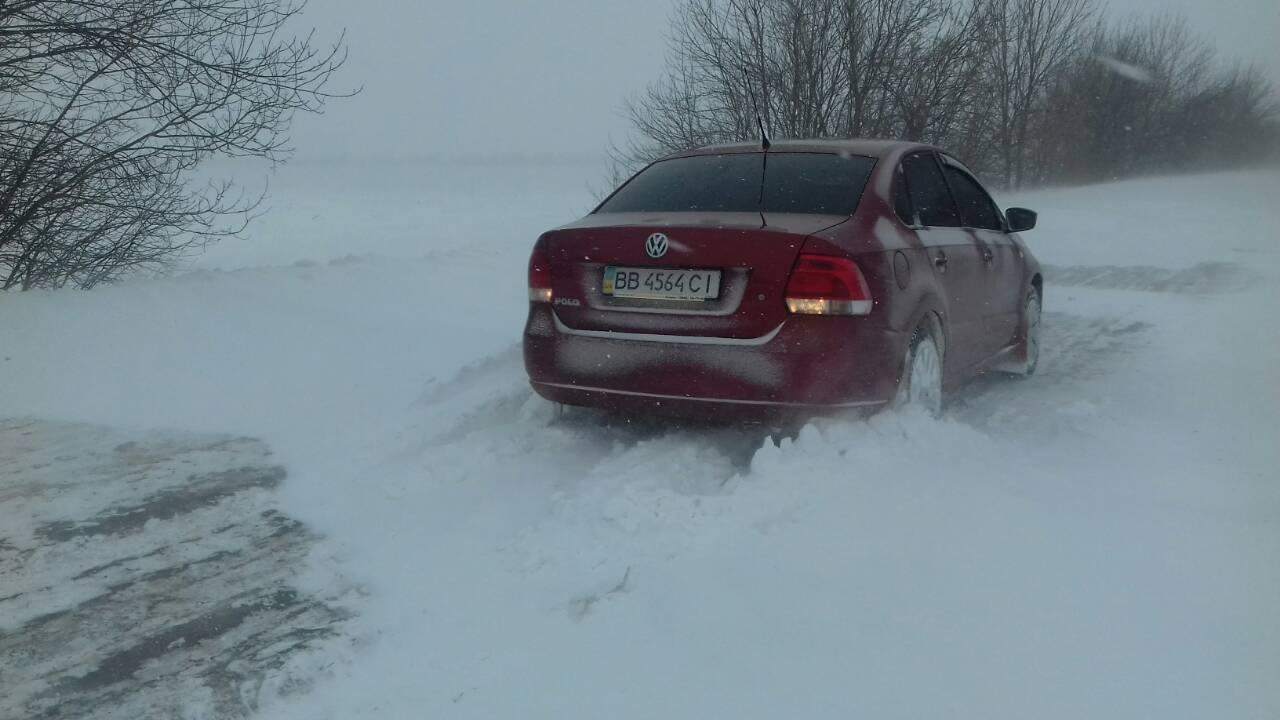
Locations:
{"points": [[1020, 219]]}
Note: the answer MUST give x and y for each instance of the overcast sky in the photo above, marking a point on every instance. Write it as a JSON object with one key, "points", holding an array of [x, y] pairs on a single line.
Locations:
{"points": [[477, 76]]}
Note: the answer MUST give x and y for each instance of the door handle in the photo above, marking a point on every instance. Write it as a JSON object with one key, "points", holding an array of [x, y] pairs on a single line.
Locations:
{"points": [[987, 255], [940, 260]]}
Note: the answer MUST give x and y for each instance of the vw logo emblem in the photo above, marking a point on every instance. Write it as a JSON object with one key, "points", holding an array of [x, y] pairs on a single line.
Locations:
{"points": [[656, 245]]}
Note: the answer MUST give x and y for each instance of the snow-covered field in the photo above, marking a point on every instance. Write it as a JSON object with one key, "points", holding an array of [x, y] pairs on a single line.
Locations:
{"points": [[1100, 541]]}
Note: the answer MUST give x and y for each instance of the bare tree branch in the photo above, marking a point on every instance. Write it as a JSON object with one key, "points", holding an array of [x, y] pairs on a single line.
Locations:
{"points": [[108, 107]]}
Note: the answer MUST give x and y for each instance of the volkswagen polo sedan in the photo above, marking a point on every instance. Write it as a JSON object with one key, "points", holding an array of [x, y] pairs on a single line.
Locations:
{"points": [[802, 278]]}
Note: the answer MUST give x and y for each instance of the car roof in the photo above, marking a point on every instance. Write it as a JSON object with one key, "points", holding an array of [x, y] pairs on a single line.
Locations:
{"points": [[854, 146]]}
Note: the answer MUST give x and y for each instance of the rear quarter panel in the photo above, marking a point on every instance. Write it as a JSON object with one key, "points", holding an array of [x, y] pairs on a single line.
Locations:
{"points": [[895, 263]]}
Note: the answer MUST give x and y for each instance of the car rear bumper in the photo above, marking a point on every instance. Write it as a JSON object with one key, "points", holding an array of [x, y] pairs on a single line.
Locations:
{"points": [[687, 407], [806, 365]]}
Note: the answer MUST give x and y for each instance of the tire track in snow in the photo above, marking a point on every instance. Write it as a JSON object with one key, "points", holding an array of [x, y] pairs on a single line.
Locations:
{"points": [[1075, 350], [146, 578], [1202, 278], [1079, 348]]}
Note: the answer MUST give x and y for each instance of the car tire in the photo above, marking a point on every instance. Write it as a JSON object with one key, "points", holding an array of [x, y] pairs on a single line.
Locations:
{"points": [[921, 383], [1026, 355]]}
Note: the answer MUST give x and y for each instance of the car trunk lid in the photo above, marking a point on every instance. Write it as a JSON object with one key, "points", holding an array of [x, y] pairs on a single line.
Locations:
{"points": [[753, 253]]}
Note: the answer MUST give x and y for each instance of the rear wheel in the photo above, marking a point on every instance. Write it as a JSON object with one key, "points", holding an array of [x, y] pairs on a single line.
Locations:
{"points": [[921, 384]]}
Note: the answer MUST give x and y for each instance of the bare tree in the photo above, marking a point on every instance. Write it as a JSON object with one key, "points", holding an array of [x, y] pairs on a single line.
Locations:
{"points": [[1032, 40], [1149, 96], [932, 81], [1027, 91], [106, 110], [1238, 118], [810, 68]]}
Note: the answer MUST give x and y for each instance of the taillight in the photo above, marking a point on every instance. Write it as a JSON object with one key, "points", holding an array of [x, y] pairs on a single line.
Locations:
{"points": [[539, 275], [824, 285]]}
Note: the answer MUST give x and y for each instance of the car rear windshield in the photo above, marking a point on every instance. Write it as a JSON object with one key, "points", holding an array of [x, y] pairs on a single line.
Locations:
{"points": [[805, 183]]}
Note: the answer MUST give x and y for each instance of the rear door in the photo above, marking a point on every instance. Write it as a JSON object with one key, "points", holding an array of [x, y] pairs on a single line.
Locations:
{"points": [[1002, 277], [955, 258]]}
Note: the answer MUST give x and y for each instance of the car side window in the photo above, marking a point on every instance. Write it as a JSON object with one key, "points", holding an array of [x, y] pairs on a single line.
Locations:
{"points": [[928, 191], [901, 200], [976, 208]]}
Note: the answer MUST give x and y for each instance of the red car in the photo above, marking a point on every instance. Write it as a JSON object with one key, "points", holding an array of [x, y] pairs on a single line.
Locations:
{"points": [[807, 277]]}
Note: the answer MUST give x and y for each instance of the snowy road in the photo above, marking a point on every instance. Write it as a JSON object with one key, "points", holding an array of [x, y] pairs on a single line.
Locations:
{"points": [[1101, 540], [140, 578]]}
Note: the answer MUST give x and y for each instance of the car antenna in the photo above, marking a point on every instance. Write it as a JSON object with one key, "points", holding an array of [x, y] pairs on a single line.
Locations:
{"points": [[764, 147]]}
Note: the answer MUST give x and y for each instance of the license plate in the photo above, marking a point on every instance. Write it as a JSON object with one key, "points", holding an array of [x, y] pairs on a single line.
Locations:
{"points": [[661, 283]]}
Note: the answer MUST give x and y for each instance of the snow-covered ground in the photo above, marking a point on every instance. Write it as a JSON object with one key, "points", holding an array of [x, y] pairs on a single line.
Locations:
{"points": [[145, 577], [1102, 540]]}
